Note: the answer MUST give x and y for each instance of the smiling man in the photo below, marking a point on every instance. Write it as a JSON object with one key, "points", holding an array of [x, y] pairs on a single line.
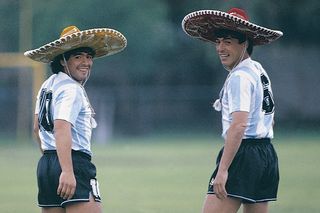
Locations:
{"points": [[64, 119], [247, 166]]}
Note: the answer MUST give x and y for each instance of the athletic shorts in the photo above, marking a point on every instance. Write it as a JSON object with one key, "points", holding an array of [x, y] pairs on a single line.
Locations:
{"points": [[253, 175], [48, 174]]}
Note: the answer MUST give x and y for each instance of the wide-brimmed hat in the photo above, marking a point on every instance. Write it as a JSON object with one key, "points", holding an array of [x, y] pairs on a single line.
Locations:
{"points": [[203, 24], [103, 41]]}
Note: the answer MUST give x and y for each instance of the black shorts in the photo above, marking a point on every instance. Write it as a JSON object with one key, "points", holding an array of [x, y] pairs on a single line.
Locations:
{"points": [[253, 175], [48, 174]]}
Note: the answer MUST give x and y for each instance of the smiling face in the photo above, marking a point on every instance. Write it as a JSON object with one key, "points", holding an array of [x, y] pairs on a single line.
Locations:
{"points": [[78, 65], [230, 51]]}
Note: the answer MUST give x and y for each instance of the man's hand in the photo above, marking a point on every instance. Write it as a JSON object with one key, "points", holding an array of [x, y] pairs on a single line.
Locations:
{"points": [[67, 185], [219, 184]]}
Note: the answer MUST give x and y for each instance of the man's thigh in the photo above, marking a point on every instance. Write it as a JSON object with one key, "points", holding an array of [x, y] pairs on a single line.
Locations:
{"points": [[255, 207], [53, 210], [84, 207], [212, 204]]}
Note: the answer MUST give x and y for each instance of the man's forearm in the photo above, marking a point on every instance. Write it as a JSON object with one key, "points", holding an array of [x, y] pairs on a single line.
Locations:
{"points": [[232, 144], [64, 144], [233, 139]]}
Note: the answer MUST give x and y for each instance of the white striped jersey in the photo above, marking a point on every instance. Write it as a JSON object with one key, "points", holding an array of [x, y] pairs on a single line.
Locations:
{"points": [[248, 88], [70, 103]]}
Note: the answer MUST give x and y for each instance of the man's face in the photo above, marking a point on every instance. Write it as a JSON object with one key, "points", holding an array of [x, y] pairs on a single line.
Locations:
{"points": [[79, 65], [230, 51]]}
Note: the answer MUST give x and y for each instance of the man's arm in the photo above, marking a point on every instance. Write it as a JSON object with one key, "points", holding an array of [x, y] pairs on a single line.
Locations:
{"points": [[36, 131], [67, 181], [232, 143]]}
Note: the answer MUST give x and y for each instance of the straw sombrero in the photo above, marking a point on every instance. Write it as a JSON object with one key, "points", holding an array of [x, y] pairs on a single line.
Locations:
{"points": [[103, 41], [202, 25]]}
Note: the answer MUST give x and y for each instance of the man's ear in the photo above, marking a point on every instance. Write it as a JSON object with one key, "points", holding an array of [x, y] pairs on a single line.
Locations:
{"points": [[246, 44], [62, 62]]}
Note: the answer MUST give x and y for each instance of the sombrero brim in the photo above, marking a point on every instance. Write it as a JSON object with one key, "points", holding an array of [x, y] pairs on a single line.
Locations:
{"points": [[103, 41], [203, 23]]}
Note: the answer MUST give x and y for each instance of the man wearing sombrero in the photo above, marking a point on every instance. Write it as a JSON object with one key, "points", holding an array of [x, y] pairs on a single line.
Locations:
{"points": [[64, 119], [247, 166]]}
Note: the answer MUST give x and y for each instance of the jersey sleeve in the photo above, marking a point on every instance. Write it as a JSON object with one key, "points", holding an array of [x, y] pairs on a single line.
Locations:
{"points": [[239, 92], [68, 104], [37, 108], [37, 105]]}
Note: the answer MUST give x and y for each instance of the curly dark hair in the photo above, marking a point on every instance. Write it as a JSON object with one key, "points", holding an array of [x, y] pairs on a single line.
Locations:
{"points": [[55, 64]]}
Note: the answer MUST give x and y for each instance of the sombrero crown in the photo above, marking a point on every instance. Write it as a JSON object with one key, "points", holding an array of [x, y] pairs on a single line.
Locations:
{"points": [[103, 41], [203, 24]]}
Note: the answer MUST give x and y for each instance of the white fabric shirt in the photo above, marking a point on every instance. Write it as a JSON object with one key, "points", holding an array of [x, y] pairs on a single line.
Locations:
{"points": [[69, 103], [244, 91]]}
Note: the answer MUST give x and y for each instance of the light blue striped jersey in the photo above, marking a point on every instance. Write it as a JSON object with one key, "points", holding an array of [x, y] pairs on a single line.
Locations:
{"points": [[248, 88], [70, 103]]}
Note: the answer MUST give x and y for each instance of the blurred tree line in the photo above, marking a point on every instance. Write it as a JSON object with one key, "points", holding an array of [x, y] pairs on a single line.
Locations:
{"points": [[159, 53]]}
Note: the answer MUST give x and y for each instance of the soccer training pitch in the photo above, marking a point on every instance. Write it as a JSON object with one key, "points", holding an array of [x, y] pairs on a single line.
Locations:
{"points": [[163, 174]]}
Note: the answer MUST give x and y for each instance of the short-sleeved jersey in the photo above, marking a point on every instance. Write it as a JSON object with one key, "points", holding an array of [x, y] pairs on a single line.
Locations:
{"points": [[67, 101], [248, 89]]}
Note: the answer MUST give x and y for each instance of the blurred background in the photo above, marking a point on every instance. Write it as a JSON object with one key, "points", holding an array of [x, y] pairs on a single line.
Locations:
{"points": [[164, 81]]}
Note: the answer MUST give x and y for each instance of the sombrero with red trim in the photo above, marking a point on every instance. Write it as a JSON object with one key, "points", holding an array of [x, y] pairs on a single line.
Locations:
{"points": [[202, 25], [103, 41]]}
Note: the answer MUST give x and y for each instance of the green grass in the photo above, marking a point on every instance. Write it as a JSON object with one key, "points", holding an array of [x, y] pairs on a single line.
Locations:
{"points": [[163, 174]]}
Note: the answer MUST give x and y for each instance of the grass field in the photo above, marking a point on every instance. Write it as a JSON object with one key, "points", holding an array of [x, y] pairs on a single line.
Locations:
{"points": [[163, 174]]}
